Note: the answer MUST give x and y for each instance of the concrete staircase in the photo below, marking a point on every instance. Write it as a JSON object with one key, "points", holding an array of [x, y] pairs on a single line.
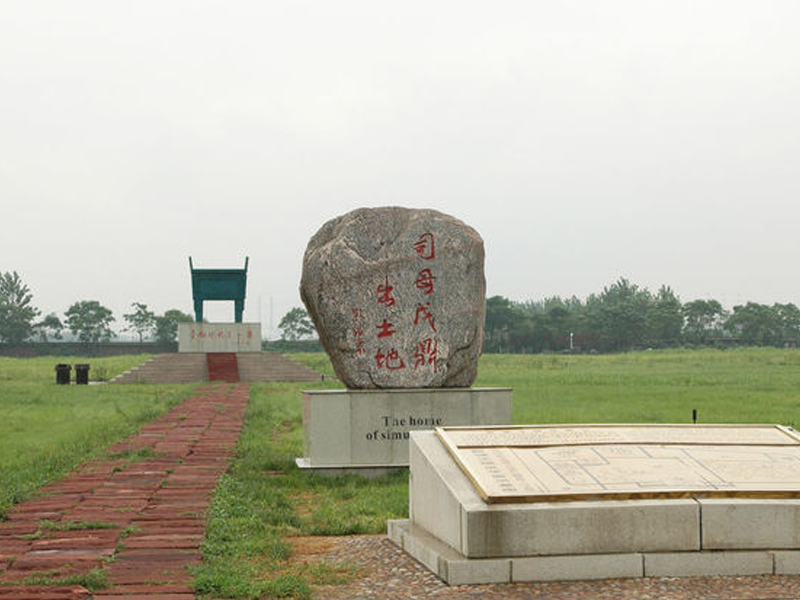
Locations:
{"points": [[273, 366], [191, 367], [168, 368]]}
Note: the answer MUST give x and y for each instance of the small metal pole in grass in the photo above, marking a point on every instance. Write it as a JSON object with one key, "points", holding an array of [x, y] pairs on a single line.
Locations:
{"points": [[694, 415]]}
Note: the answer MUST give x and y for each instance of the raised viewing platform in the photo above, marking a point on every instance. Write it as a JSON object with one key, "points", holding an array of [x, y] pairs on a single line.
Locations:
{"points": [[535, 503]]}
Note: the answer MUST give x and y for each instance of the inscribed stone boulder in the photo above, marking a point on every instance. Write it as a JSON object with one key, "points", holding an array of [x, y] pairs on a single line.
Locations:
{"points": [[398, 297]]}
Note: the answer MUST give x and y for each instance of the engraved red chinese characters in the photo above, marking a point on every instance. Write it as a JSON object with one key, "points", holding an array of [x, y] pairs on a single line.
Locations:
{"points": [[425, 246], [424, 281], [391, 360], [385, 293]]}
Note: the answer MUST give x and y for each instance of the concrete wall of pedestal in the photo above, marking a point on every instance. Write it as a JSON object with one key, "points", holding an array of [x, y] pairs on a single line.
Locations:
{"points": [[371, 427], [219, 337]]}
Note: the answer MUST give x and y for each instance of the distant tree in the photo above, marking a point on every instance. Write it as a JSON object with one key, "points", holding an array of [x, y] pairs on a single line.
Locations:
{"points": [[49, 327], [550, 322], [788, 316], [665, 318], [755, 324], [167, 325], [16, 312], [761, 325], [296, 325], [90, 321], [141, 320], [504, 321], [557, 325], [619, 315], [702, 320]]}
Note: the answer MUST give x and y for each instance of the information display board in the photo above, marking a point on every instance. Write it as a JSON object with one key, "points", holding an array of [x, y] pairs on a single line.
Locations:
{"points": [[575, 462]]}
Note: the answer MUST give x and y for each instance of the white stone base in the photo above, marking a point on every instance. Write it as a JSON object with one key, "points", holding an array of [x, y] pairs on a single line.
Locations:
{"points": [[456, 569], [369, 429], [464, 540], [219, 337]]}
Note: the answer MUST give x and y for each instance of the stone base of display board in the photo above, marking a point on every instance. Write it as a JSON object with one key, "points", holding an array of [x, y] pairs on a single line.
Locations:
{"points": [[515, 504], [367, 431], [456, 569]]}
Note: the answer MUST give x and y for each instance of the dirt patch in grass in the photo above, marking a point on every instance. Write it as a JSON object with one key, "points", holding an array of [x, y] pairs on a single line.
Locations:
{"points": [[311, 560], [305, 503], [308, 548], [283, 430]]}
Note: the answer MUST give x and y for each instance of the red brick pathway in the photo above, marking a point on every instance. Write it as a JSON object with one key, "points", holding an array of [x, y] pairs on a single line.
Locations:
{"points": [[151, 509]]}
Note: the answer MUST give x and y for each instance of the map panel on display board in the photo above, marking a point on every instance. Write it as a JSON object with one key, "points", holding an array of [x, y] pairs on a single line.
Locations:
{"points": [[575, 462]]}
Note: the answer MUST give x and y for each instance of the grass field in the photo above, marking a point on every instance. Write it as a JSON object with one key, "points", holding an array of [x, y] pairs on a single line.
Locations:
{"points": [[264, 500], [48, 430], [737, 386]]}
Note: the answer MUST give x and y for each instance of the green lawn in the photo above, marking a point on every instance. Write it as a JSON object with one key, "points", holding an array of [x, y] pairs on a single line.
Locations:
{"points": [[736, 386], [265, 499], [48, 430]]}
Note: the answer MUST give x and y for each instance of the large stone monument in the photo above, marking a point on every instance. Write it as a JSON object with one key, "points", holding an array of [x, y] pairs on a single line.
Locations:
{"points": [[535, 503], [398, 297]]}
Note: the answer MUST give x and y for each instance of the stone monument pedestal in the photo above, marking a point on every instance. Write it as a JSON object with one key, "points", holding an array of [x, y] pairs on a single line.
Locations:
{"points": [[367, 431], [513, 504]]}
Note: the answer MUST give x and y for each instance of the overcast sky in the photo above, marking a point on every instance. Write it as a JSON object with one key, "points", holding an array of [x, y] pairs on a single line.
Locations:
{"points": [[586, 141]]}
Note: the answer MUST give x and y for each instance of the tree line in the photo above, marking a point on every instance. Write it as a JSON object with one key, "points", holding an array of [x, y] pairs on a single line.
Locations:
{"points": [[625, 316], [87, 320]]}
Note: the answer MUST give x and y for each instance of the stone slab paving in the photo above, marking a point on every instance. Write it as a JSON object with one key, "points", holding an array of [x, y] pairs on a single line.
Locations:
{"points": [[386, 572], [141, 517]]}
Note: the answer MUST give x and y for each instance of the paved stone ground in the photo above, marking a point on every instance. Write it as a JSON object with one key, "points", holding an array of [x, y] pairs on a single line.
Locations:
{"points": [[157, 506], [388, 573]]}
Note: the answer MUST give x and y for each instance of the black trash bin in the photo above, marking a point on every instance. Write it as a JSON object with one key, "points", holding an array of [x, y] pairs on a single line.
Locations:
{"points": [[62, 374], [82, 374]]}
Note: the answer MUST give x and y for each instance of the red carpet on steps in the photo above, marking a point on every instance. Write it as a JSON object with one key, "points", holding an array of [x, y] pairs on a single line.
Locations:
{"points": [[223, 366]]}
